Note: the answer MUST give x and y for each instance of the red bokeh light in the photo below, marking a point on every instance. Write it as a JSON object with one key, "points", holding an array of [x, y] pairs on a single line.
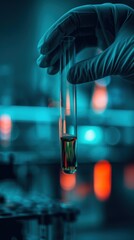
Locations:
{"points": [[102, 180], [67, 181]]}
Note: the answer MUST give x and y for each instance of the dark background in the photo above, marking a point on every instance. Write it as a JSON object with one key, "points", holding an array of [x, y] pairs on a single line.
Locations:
{"points": [[29, 142]]}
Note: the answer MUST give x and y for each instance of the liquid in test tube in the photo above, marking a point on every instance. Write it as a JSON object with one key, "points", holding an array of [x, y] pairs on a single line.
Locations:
{"points": [[68, 108]]}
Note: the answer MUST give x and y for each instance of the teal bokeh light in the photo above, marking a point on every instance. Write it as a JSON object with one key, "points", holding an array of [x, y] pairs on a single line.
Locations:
{"points": [[90, 134]]}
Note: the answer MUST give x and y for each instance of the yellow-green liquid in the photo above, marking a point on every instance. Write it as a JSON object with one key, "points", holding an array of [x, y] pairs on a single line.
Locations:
{"points": [[68, 154]]}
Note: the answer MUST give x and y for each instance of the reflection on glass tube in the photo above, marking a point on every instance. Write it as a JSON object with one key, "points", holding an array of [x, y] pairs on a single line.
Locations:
{"points": [[68, 109]]}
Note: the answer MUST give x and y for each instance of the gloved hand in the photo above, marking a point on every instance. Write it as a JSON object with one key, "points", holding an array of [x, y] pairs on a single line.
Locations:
{"points": [[108, 26]]}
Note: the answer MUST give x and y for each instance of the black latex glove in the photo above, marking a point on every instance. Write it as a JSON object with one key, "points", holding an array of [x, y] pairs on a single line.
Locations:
{"points": [[108, 26]]}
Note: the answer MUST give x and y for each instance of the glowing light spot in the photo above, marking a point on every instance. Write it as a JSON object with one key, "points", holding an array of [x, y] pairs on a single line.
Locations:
{"points": [[67, 181], [90, 135], [5, 124], [102, 180], [100, 98], [129, 176]]}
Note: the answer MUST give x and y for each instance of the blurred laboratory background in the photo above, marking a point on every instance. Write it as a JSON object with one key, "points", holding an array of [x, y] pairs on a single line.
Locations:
{"points": [[37, 200]]}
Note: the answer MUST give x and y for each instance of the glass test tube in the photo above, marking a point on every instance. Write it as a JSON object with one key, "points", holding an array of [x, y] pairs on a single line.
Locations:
{"points": [[68, 108]]}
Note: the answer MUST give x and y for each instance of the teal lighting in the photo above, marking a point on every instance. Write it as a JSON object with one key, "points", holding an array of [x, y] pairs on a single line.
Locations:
{"points": [[112, 136], [28, 113], [90, 134]]}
